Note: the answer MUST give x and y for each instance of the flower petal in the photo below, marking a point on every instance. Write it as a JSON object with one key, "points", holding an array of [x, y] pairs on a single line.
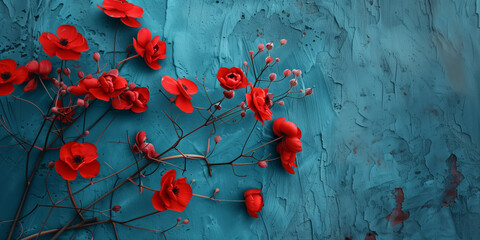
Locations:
{"points": [[65, 171], [170, 85], [6, 89], [157, 202], [189, 86], [130, 21], [90, 170], [184, 104]]}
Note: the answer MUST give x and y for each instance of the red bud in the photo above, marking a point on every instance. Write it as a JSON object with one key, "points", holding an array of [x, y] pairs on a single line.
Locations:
{"points": [[116, 208], [287, 72], [293, 83], [80, 74], [217, 139], [229, 94], [262, 164], [96, 56], [80, 102], [261, 47], [281, 103], [272, 77], [67, 71], [51, 164], [283, 41], [186, 221], [243, 114], [269, 46], [308, 91], [269, 60]]}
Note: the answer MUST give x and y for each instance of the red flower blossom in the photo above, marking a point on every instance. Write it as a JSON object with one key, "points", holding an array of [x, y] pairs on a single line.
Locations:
{"points": [[64, 114], [173, 194], [290, 144], [67, 46], [231, 79], [37, 71], [150, 49], [84, 86], [109, 85], [183, 88], [75, 157], [124, 10], [9, 75], [253, 201], [141, 145], [259, 103], [135, 99]]}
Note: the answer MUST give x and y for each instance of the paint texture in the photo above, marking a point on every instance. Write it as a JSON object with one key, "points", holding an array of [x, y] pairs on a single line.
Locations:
{"points": [[395, 109]]}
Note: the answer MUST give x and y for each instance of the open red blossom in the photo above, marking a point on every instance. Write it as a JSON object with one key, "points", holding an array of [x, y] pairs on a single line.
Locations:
{"points": [[109, 85], [83, 87], [75, 157], [290, 144], [9, 75], [150, 49], [37, 71], [173, 194], [253, 201], [259, 103], [64, 113], [135, 99], [124, 10], [183, 88], [67, 46], [141, 145], [231, 78]]}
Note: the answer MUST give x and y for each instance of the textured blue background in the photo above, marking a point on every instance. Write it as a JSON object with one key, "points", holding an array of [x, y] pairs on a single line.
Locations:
{"points": [[395, 93]]}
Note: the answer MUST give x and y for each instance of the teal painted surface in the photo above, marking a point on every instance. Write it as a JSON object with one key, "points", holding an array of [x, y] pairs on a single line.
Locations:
{"points": [[395, 94]]}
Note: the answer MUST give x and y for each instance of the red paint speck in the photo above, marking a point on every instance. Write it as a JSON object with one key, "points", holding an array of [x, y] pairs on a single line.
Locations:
{"points": [[455, 180], [398, 216], [378, 162], [371, 236], [355, 150]]}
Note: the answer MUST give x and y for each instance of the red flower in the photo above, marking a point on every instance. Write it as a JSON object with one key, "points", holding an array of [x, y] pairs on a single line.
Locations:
{"points": [[84, 86], [151, 50], [290, 144], [231, 79], [37, 71], [67, 46], [254, 202], [109, 85], [64, 114], [124, 10], [183, 88], [141, 145], [75, 157], [135, 99], [9, 75], [259, 103], [173, 195]]}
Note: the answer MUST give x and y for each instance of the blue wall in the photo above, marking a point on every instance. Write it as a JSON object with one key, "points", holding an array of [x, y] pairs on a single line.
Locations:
{"points": [[395, 94]]}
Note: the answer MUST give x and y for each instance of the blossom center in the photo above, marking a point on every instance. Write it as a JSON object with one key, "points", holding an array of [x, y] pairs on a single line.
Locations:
{"points": [[78, 159], [63, 42], [175, 190], [231, 75], [6, 75], [155, 48]]}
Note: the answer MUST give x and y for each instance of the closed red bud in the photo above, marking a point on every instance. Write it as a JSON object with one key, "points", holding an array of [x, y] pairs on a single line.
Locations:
{"points": [[272, 77], [67, 71], [287, 72], [179, 219], [301, 90], [80, 74], [269, 95], [172, 100], [96, 56], [63, 92], [293, 83], [229, 94], [243, 114], [283, 41], [245, 63], [242, 105], [186, 221], [87, 104], [261, 47], [269, 46], [269, 60], [131, 85], [33, 66], [86, 132], [55, 81], [277, 59], [297, 72], [59, 70], [54, 109], [281, 103], [80, 102], [218, 106], [217, 139], [51, 164], [308, 91], [64, 87], [262, 164], [216, 191], [251, 53], [116, 208]]}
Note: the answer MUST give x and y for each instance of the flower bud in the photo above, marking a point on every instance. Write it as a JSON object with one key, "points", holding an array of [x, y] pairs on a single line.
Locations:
{"points": [[80, 102], [216, 191], [55, 82], [293, 83], [251, 53], [217, 139], [67, 71], [59, 70], [287, 72], [96, 57], [80, 74], [51, 164], [283, 42], [179, 219], [116, 208], [131, 86], [277, 59], [33, 66], [301, 90], [186, 221], [63, 92], [86, 132], [297, 72], [272, 77], [64, 86], [269, 95], [229, 94], [262, 164], [218, 106], [172, 100], [54, 109], [281, 103], [269, 60], [243, 114], [242, 105], [245, 63], [269, 46], [261, 47], [308, 91], [87, 104]]}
